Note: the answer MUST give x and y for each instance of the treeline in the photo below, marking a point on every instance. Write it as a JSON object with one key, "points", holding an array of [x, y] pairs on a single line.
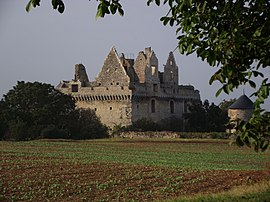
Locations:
{"points": [[202, 117], [37, 110]]}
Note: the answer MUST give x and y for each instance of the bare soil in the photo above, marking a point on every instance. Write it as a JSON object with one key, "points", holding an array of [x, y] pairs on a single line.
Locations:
{"points": [[51, 179]]}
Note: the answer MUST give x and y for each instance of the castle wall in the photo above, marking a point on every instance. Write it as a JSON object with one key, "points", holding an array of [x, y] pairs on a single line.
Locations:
{"points": [[111, 104], [240, 114]]}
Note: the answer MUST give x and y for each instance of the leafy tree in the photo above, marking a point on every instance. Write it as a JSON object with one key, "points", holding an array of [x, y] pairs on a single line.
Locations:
{"points": [[3, 125], [231, 35], [206, 118], [38, 110], [31, 107], [86, 125], [172, 124], [225, 104], [195, 120]]}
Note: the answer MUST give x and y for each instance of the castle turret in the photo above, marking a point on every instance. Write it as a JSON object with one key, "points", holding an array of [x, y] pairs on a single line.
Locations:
{"points": [[146, 66], [170, 75], [80, 73]]}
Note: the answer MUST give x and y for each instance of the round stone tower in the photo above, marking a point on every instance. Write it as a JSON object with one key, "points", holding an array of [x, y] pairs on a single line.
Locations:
{"points": [[241, 109]]}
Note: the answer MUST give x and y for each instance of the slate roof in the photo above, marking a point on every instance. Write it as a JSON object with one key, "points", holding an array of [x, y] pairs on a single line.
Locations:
{"points": [[243, 102]]}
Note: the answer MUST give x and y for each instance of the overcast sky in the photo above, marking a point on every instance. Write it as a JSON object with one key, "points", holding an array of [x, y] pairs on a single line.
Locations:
{"points": [[44, 45]]}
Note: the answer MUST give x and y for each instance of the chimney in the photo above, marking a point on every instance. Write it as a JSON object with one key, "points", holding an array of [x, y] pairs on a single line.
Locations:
{"points": [[148, 51], [80, 73]]}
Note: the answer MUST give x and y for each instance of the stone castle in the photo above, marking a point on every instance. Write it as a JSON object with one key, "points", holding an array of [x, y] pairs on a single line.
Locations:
{"points": [[127, 90]]}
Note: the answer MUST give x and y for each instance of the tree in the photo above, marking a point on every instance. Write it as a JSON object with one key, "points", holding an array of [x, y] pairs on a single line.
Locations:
{"points": [[38, 110], [206, 118], [31, 107], [230, 35], [86, 125], [225, 104]]}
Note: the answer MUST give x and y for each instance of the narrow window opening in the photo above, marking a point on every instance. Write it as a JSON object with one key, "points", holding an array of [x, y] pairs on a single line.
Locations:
{"points": [[153, 70], [110, 108], [155, 87], [172, 107], [74, 88], [185, 107], [153, 106]]}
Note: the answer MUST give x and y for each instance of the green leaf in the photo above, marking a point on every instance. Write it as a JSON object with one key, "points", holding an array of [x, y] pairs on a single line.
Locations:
{"points": [[239, 142], [258, 32], [264, 145], [29, 6], [171, 22], [99, 12], [121, 11], [218, 92], [252, 84], [157, 2], [113, 8], [149, 2]]}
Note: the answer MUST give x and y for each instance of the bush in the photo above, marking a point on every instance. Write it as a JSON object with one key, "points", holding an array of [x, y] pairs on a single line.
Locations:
{"points": [[52, 132], [144, 125], [87, 125], [18, 130], [172, 124]]}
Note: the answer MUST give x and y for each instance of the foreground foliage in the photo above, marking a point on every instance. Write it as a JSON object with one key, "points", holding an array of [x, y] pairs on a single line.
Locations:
{"points": [[124, 170]]}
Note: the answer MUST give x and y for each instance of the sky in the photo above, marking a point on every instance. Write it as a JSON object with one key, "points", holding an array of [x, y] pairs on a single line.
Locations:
{"points": [[44, 45]]}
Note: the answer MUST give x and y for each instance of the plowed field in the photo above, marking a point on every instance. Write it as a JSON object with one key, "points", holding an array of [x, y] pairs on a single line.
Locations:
{"points": [[124, 170]]}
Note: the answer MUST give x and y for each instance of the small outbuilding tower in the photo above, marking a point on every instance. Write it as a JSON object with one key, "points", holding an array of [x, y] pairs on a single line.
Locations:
{"points": [[241, 109]]}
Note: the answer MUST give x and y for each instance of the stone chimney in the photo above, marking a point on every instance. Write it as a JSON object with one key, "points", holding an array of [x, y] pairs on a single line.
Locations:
{"points": [[148, 51], [80, 73]]}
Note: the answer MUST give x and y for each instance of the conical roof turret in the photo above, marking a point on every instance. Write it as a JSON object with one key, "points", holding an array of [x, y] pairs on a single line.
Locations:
{"points": [[243, 102]]}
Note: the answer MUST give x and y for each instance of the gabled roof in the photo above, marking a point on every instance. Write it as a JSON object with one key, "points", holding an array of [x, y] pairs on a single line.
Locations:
{"points": [[171, 59], [243, 102], [112, 70]]}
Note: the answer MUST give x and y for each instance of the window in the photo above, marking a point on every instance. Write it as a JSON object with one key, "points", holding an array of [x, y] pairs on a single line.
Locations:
{"points": [[153, 70], [153, 106], [155, 87], [110, 108], [185, 107], [172, 107], [74, 88], [171, 74]]}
